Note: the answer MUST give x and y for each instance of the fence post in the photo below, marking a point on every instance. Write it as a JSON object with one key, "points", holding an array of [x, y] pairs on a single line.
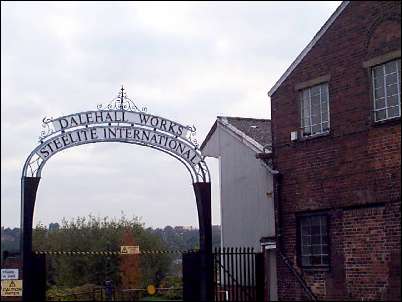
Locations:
{"points": [[191, 276], [260, 276], [39, 282]]}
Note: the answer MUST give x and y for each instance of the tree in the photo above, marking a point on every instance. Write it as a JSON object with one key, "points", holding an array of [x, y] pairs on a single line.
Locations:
{"points": [[97, 234]]}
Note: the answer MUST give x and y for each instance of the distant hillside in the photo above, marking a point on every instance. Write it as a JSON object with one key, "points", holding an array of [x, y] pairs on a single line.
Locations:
{"points": [[183, 238]]}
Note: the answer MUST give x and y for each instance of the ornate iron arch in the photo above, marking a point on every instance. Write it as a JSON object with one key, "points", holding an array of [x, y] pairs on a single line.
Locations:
{"points": [[199, 171], [119, 121]]}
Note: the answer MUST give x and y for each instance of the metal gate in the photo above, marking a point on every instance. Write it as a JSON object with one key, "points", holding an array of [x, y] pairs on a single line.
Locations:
{"points": [[238, 275]]}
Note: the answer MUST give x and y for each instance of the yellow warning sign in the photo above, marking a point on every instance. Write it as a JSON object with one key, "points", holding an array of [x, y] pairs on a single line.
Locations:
{"points": [[11, 288], [129, 249]]}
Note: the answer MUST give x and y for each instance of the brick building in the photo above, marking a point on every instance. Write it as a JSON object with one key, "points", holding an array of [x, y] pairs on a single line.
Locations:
{"points": [[336, 143]]}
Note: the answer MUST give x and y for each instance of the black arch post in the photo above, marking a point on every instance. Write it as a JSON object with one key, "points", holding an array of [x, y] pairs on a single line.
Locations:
{"points": [[29, 187], [202, 192]]}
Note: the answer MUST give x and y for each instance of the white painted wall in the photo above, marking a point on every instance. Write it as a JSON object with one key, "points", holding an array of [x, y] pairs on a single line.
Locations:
{"points": [[247, 212]]}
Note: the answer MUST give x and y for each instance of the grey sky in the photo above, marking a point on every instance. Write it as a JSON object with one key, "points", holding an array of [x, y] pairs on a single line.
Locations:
{"points": [[186, 61]]}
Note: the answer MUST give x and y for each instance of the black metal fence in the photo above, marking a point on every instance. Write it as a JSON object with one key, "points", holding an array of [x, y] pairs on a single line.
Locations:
{"points": [[238, 274]]}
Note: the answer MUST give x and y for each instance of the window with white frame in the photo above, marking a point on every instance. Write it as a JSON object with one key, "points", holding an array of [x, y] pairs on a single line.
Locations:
{"points": [[387, 90], [313, 241], [315, 109]]}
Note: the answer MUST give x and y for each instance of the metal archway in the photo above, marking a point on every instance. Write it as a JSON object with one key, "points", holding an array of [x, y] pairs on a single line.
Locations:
{"points": [[121, 122]]}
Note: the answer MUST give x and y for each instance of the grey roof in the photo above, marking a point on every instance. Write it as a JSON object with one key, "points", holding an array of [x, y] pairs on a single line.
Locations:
{"points": [[257, 129]]}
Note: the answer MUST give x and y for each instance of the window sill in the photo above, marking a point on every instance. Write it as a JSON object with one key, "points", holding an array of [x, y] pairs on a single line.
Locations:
{"points": [[310, 137], [390, 121], [315, 269]]}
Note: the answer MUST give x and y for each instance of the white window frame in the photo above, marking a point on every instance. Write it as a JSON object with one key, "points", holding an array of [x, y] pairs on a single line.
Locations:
{"points": [[302, 117], [398, 83], [323, 231]]}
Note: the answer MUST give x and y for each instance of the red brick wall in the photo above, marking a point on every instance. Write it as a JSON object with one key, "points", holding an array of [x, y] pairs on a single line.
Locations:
{"points": [[357, 164]]}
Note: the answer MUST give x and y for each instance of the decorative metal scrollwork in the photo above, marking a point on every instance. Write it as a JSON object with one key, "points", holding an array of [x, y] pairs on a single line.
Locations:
{"points": [[121, 102], [47, 128], [192, 135], [202, 172], [34, 165]]}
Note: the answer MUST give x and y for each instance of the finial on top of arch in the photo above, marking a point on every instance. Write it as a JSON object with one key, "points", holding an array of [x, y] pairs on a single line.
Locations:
{"points": [[122, 96], [122, 102]]}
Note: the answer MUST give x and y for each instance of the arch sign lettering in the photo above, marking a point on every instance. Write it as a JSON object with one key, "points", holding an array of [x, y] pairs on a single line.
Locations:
{"points": [[119, 121], [122, 121]]}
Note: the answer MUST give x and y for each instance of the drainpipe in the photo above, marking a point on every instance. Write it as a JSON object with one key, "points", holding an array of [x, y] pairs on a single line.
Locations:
{"points": [[277, 184]]}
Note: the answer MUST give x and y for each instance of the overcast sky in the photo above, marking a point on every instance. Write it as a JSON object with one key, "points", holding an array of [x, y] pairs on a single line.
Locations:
{"points": [[186, 61]]}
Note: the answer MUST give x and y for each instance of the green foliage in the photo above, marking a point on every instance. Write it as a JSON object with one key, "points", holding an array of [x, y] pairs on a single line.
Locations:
{"points": [[95, 234], [10, 239], [87, 292], [173, 283], [70, 274], [179, 238]]}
